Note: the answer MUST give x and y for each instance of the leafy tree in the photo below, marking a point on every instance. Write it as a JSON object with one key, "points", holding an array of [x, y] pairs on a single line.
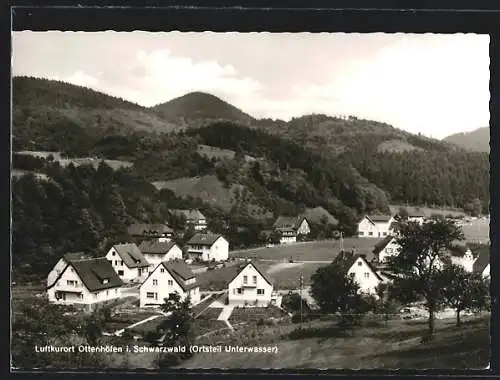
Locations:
{"points": [[292, 302], [337, 293], [463, 290], [422, 248], [403, 213]]}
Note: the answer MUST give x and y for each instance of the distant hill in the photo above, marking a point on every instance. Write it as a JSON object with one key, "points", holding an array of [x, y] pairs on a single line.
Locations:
{"points": [[197, 107], [476, 141]]}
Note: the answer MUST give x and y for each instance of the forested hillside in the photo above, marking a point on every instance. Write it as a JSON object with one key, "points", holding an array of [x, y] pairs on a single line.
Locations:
{"points": [[475, 141]]}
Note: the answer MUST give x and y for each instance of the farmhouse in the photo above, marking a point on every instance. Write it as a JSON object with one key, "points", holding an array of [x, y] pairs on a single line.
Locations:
{"points": [[375, 226], [291, 227], [128, 261], [143, 231], [482, 264], [156, 251], [85, 281], [208, 247], [385, 249], [416, 217], [465, 259], [193, 217], [167, 278], [251, 287], [358, 267], [62, 263]]}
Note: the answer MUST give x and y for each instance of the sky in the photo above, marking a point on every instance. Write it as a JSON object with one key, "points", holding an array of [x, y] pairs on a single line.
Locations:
{"points": [[433, 84]]}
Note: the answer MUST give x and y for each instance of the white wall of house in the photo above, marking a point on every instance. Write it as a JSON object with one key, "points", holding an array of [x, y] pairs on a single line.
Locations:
{"points": [[56, 271], [160, 284], [75, 292], [304, 228], [288, 238], [417, 219], [255, 288], [466, 261], [364, 276], [156, 258], [125, 273], [219, 250], [374, 230], [486, 272], [391, 249]]}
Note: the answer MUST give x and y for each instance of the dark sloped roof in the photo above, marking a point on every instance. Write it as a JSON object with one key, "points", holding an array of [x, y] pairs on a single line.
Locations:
{"points": [[381, 245], [181, 272], [142, 229], [131, 255], [204, 239], [347, 260], [288, 222], [416, 214], [379, 218], [257, 267], [93, 272], [482, 261], [156, 246]]}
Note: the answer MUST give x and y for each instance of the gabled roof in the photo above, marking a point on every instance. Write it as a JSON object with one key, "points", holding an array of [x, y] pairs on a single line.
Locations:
{"points": [[94, 273], [257, 267], [180, 272], [131, 255], [379, 247], [143, 229], [190, 215], [204, 239], [379, 218], [482, 261], [156, 246], [347, 260], [288, 222]]}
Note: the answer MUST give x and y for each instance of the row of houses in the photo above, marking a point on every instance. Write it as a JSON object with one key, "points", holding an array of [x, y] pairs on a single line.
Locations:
{"points": [[381, 226]]}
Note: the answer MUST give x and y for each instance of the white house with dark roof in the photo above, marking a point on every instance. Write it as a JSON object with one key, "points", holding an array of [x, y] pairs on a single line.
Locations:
{"points": [[62, 263], [416, 217], [291, 227], [375, 226], [156, 251], [166, 278], [208, 247], [86, 282], [465, 259], [251, 286], [193, 217], [388, 247], [128, 262], [359, 268]]}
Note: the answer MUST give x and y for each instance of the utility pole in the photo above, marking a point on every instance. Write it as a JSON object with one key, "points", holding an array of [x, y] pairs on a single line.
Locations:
{"points": [[341, 241], [301, 299]]}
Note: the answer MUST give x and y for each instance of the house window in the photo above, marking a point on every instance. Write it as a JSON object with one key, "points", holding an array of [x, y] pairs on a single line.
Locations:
{"points": [[245, 279], [150, 295], [121, 263], [120, 273], [71, 283], [105, 281], [116, 262], [170, 282], [254, 279], [359, 263], [351, 274], [367, 275], [370, 233], [240, 291], [113, 253], [162, 270], [107, 292], [385, 234], [260, 292], [58, 272], [155, 282], [389, 250], [361, 233]]}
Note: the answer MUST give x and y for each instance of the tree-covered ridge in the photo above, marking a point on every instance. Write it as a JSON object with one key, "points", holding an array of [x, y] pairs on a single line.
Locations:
{"points": [[41, 92], [476, 141]]}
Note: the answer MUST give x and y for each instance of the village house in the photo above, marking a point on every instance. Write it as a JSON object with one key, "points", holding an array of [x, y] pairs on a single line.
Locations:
{"points": [[359, 268], [62, 263], [140, 231], [166, 278], [193, 217], [376, 226], [385, 249], [465, 259], [86, 282], [482, 264], [251, 287], [208, 247], [416, 217], [291, 227], [128, 262], [156, 251]]}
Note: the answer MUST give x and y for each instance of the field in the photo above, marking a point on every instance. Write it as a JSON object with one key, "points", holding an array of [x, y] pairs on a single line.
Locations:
{"points": [[325, 250], [396, 346], [218, 153], [113, 164], [477, 230], [289, 278], [428, 211]]}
